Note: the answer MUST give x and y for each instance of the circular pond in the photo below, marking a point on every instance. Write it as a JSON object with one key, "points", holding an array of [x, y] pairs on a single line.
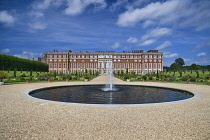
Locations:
{"points": [[126, 94]]}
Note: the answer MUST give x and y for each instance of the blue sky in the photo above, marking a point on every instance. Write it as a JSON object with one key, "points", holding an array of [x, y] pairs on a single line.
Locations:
{"points": [[178, 28]]}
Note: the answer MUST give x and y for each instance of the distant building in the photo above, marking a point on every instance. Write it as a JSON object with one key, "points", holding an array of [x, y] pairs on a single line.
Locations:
{"points": [[43, 59], [136, 61]]}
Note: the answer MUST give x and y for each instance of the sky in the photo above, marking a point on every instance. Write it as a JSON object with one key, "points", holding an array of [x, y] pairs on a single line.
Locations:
{"points": [[178, 28]]}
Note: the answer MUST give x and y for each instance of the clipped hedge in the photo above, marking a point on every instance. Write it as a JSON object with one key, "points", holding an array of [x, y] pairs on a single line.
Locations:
{"points": [[8, 62]]}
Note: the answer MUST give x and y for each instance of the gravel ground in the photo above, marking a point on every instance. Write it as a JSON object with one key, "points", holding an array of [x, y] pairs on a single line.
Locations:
{"points": [[25, 119]]}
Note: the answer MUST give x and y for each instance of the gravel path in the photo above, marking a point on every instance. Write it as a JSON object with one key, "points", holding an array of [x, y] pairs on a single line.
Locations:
{"points": [[25, 119]]}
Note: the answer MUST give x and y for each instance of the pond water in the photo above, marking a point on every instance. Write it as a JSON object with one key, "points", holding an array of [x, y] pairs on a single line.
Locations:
{"points": [[126, 94]]}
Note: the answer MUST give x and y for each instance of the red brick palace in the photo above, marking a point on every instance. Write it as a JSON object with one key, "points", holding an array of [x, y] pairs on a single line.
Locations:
{"points": [[136, 61]]}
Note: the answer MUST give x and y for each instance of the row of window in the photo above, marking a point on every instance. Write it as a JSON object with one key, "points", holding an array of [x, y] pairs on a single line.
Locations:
{"points": [[115, 71], [138, 66], [115, 56], [105, 65], [57, 65], [73, 65]]}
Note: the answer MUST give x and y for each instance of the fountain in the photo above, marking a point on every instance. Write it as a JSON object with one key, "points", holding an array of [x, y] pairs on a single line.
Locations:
{"points": [[109, 86]]}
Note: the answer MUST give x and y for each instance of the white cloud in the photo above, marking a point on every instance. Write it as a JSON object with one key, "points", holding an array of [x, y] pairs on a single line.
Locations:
{"points": [[153, 35], [37, 26], [115, 45], [147, 42], [132, 40], [201, 54], [72, 7], [118, 4], [201, 45], [169, 55], [164, 45], [157, 33], [5, 50], [187, 60], [28, 55], [76, 7], [127, 4], [36, 14], [42, 5], [151, 11], [147, 23], [6, 18], [172, 12]]}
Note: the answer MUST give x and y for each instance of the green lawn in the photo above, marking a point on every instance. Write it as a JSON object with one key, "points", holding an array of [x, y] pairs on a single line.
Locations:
{"points": [[194, 74]]}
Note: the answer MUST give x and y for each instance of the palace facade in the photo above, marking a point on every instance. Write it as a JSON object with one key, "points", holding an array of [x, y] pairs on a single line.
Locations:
{"points": [[136, 61]]}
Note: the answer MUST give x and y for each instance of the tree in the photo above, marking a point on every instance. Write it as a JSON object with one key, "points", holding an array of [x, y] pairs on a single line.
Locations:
{"points": [[15, 70], [175, 67], [3, 75], [127, 71], [195, 67], [31, 73], [179, 61]]}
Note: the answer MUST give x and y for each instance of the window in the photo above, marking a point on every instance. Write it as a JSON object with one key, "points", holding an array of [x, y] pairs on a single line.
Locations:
{"points": [[90, 65], [146, 66], [60, 65], [114, 65], [78, 65], [139, 66], [55, 56], [55, 65], [123, 65], [86, 65], [159, 65], [64, 65], [50, 65], [126, 65], [70, 65], [105, 65], [150, 65], [155, 66], [83, 65], [83, 56], [118, 65], [131, 65], [135, 66], [100, 65]]}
